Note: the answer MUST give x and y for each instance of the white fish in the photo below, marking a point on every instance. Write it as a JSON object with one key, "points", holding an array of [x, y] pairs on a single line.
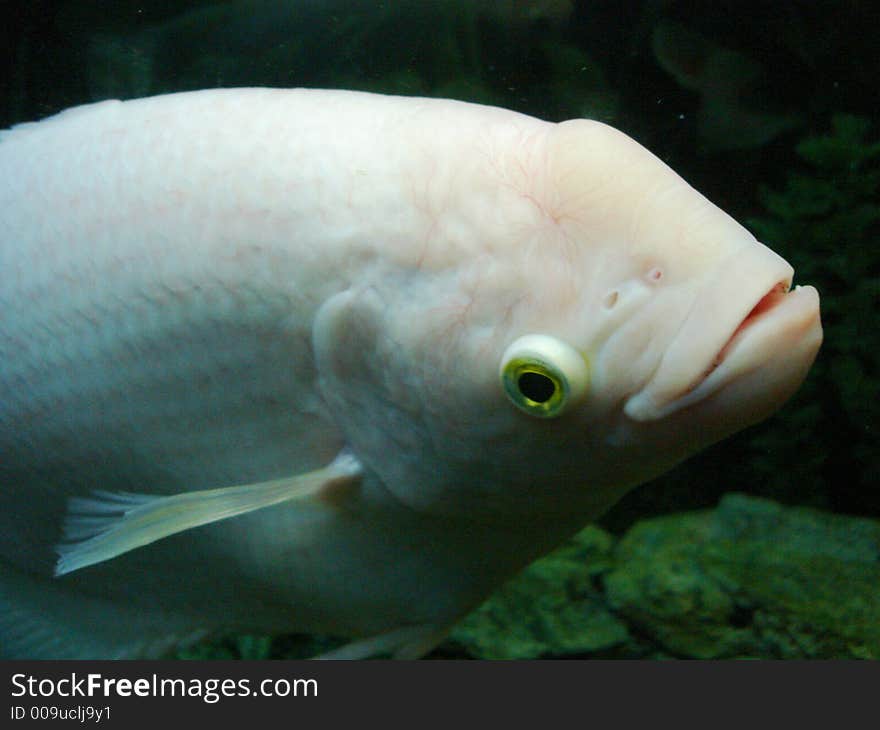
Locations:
{"points": [[386, 351]]}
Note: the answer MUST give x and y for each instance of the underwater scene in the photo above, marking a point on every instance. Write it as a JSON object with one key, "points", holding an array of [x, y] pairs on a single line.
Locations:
{"points": [[286, 374]]}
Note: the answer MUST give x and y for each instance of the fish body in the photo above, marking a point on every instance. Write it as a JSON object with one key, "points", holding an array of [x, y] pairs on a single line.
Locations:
{"points": [[230, 287]]}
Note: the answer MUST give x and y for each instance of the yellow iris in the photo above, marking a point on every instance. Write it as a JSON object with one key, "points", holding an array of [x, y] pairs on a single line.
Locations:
{"points": [[543, 375]]}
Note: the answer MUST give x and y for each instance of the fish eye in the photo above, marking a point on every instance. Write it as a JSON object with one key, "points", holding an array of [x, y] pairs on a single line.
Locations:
{"points": [[543, 375]]}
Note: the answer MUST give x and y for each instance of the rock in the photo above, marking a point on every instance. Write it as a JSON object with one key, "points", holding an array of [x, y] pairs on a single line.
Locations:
{"points": [[751, 579], [552, 608]]}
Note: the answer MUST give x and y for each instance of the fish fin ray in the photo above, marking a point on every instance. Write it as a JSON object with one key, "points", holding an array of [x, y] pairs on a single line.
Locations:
{"points": [[109, 524], [102, 502]]}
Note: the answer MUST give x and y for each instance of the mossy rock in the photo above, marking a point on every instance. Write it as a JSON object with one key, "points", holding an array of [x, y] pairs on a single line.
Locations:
{"points": [[752, 579], [551, 609]]}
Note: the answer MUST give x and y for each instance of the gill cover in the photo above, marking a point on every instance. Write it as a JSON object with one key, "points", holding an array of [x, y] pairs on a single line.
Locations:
{"points": [[544, 376]]}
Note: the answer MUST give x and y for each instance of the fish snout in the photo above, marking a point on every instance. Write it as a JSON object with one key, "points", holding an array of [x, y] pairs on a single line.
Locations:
{"points": [[746, 320]]}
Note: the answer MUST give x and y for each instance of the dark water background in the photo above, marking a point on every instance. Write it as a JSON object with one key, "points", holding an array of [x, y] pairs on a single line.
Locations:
{"points": [[767, 108]]}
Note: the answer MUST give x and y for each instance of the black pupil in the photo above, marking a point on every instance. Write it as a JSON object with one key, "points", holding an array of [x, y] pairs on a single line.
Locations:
{"points": [[536, 387]]}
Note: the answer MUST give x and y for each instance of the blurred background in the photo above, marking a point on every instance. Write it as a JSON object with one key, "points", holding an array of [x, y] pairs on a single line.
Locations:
{"points": [[768, 108]]}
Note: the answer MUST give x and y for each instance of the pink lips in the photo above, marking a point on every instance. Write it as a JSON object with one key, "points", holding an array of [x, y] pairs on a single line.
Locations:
{"points": [[744, 321], [770, 300]]}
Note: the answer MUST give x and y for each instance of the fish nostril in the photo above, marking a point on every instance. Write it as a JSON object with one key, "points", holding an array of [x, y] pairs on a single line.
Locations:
{"points": [[610, 299], [655, 274]]}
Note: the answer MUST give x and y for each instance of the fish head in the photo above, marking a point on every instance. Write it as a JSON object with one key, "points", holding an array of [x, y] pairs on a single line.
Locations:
{"points": [[678, 301], [619, 326]]}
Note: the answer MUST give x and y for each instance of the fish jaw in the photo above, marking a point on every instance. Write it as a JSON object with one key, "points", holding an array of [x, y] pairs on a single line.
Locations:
{"points": [[747, 327], [765, 363]]}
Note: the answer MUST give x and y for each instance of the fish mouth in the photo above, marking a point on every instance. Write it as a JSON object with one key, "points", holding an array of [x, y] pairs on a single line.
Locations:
{"points": [[748, 321]]}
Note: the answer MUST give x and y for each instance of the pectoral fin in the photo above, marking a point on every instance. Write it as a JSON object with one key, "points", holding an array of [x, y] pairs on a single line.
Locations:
{"points": [[110, 524]]}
